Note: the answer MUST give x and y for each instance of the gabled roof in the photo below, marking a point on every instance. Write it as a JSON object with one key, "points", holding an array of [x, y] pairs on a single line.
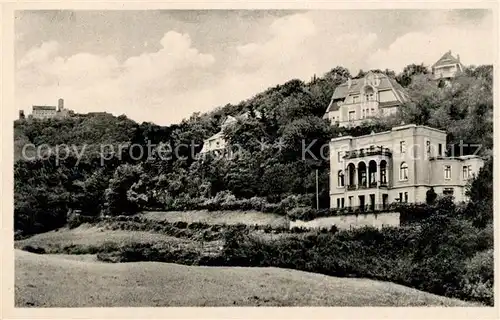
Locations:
{"points": [[446, 59], [355, 85], [333, 106]]}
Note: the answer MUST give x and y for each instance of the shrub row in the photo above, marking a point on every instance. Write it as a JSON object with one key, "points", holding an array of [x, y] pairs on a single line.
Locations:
{"points": [[308, 213], [152, 252], [409, 213], [225, 200], [443, 255], [73, 249]]}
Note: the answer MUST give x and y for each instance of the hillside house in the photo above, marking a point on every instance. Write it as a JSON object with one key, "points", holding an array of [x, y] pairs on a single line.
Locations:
{"points": [[217, 144], [447, 67], [359, 100]]}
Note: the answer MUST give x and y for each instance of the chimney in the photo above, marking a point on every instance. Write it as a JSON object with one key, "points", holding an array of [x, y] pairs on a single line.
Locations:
{"points": [[60, 105], [21, 114]]}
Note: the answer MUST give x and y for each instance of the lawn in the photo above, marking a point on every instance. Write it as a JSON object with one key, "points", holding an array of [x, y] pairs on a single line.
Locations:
{"points": [[220, 217], [46, 280]]}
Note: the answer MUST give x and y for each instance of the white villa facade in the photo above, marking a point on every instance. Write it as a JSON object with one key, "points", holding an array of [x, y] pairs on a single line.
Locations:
{"points": [[400, 165]]}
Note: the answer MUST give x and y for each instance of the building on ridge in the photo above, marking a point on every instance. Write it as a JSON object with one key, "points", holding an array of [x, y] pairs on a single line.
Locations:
{"points": [[217, 144], [447, 67], [370, 172], [49, 112], [359, 100]]}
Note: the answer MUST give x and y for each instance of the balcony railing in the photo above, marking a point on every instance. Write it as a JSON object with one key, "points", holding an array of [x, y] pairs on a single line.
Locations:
{"points": [[369, 186], [368, 152]]}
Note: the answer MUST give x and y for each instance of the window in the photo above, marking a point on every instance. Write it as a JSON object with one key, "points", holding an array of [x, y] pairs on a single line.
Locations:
{"points": [[338, 202], [440, 149], [406, 197], [373, 177], [466, 172], [402, 146], [355, 99], [339, 156], [352, 115], [363, 178], [383, 175], [428, 147], [447, 172], [400, 197], [340, 178], [403, 172], [364, 113], [342, 202]]}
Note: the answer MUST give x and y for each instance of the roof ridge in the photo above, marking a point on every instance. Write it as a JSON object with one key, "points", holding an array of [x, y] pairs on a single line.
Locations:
{"points": [[446, 56]]}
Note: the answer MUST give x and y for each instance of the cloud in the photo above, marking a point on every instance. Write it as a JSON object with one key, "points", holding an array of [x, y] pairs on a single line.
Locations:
{"points": [[295, 46], [143, 87], [472, 42], [175, 75]]}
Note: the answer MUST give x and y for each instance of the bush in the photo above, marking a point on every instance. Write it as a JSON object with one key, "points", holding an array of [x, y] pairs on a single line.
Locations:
{"points": [[180, 224], [151, 252], [293, 201], [32, 249], [76, 220], [298, 230], [273, 208], [302, 213], [184, 202], [477, 281], [430, 196]]}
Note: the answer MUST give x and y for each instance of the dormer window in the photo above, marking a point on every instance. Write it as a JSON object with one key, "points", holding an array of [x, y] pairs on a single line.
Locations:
{"points": [[369, 94]]}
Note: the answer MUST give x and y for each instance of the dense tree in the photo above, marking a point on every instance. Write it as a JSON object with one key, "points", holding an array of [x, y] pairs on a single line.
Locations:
{"points": [[405, 78], [277, 148], [118, 199]]}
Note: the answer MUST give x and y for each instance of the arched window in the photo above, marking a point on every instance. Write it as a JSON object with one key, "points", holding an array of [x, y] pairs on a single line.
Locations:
{"points": [[372, 169], [403, 171], [362, 174], [383, 172], [351, 169], [340, 178]]}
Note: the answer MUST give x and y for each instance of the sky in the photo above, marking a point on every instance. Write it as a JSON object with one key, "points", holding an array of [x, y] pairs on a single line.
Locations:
{"points": [[162, 66]]}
